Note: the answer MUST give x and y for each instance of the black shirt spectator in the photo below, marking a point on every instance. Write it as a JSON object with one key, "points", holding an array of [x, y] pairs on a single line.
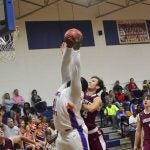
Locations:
{"points": [[35, 98], [117, 87], [37, 102]]}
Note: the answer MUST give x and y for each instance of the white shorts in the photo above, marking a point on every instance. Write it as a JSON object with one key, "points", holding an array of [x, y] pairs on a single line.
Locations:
{"points": [[76, 139]]}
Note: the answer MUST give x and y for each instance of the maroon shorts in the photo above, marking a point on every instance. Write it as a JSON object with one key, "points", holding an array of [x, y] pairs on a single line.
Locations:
{"points": [[94, 141], [146, 145]]}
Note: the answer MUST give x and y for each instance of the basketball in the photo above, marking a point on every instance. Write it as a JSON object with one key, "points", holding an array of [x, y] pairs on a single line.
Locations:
{"points": [[73, 36]]}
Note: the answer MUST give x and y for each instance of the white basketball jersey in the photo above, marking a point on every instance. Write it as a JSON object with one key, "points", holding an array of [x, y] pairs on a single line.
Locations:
{"points": [[66, 112]]}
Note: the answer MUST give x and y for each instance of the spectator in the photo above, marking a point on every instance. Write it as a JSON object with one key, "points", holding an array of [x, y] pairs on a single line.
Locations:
{"points": [[146, 88], [33, 114], [132, 126], [103, 96], [18, 99], [133, 88], [13, 140], [146, 84], [26, 111], [10, 129], [50, 138], [15, 113], [132, 85], [117, 87], [51, 135], [30, 135], [110, 112], [112, 97], [134, 105], [7, 102], [120, 96], [22, 129], [37, 102], [35, 97], [32, 124], [5, 143], [120, 113]]}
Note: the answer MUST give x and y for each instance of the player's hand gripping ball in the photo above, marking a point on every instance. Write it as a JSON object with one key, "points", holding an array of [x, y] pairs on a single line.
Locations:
{"points": [[73, 38]]}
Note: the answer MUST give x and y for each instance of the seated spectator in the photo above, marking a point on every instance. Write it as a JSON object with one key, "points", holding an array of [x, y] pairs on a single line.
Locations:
{"points": [[133, 88], [132, 85], [127, 97], [37, 102], [15, 114], [18, 99], [121, 112], [5, 143], [30, 135], [22, 128], [33, 114], [42, 123], [8, 143], [7, 102], [10, 136], [134, 105], [26, 111], [40, 135], [112, 97], [32, 124], [110, 112], [132, 126], [120, 97], [117, 87], [10, 129], [146, 88], [140, 108], [146, 84], [51, 136], [103, 96], [35, 97]]}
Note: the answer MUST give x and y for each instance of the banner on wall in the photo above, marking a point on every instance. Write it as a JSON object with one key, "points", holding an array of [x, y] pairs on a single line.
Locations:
{"points": [[132, 31]]}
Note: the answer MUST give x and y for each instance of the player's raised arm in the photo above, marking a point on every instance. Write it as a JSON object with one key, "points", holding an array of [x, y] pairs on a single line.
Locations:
{"points": [[65, 72], [75, 75], [75, 65]]}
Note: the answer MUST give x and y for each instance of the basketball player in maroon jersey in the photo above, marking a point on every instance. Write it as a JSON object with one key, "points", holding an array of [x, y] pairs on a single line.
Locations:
{"points": [[143, 121], [91, 105]]}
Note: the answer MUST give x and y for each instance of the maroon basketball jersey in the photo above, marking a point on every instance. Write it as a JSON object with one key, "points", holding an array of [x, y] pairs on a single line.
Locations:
{"points": [[89, 117], [145, 121]]}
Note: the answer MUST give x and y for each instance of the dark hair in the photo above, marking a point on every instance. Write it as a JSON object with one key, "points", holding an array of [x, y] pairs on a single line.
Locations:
{"points": [[16, 108], [26, 103], [2, 108], [26, 108], [84, 84], [148, 96], [100, 83], [33, 91]]}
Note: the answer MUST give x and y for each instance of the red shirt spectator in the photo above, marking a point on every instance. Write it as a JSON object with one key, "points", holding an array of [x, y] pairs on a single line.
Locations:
{"points": [[132, 85], [120, 97]]}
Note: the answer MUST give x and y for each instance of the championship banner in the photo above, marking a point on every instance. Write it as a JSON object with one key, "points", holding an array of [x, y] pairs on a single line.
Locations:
{"points": [[132, 31]]}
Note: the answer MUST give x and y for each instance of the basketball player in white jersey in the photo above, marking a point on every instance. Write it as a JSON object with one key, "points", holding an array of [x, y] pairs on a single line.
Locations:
{"points": [[72, 131]]}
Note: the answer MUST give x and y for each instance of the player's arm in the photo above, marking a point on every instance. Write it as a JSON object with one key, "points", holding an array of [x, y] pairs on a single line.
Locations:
{"points": [[65, 72], [91, 107], [75, 75], [137, 134], [19, 139]]}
